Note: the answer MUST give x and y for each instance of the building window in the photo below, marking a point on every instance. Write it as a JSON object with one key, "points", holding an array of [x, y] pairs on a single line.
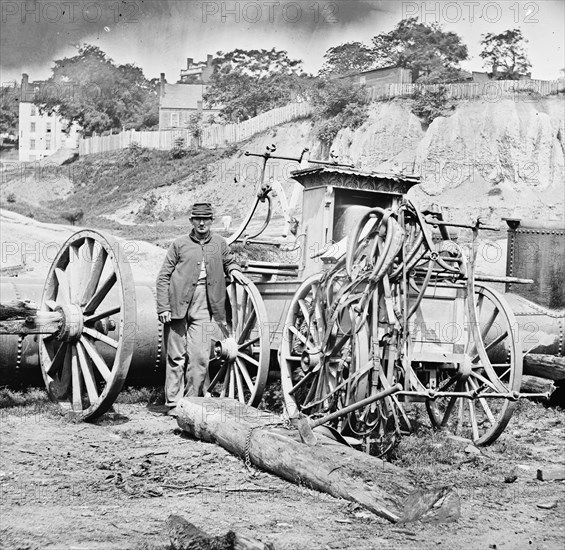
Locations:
{"points": [[174, 120], [32, 143], [32, 127], [47, 143], [33, 110], [48, 128]]}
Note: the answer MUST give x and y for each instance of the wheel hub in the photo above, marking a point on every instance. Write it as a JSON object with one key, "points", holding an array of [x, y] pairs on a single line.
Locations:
{"points": [[310, 360], [465, 368], [73, 321], [226, 349]]}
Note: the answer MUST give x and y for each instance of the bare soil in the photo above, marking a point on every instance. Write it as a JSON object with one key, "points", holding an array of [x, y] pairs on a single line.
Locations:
{"points": [[112, 484]]}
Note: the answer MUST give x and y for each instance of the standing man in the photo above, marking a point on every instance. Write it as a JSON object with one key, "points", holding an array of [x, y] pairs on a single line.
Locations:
{"points": [[191, 289]]}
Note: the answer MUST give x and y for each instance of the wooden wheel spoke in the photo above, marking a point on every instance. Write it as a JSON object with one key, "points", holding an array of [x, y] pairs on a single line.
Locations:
{"points": [[473, 420], [230, 381], [304, 309], [218, 376], [63, 293], [492, 344], [245, 373], [58, 360], [484, 380], [100, 294], [239, 383], [299, 335], [102, 314], [448, 409], [244, 303], [248, 325], [249, 343], [87, 374], [234, 312], [96, 359], [448, 383], [248, 358], [95, 274], [483, 402], [74, 271], [76, 381], [101, 337]]}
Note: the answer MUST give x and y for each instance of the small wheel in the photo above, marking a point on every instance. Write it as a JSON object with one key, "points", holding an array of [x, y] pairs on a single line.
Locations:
{"points": [[240, 366], [85, 364], [314, 356], [494, 367]]}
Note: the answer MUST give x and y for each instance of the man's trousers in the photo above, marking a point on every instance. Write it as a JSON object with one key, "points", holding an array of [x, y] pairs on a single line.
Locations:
{"points": [[190, 336]]}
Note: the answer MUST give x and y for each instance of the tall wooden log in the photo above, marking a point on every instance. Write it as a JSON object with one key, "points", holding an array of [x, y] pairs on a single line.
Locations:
{"points": [[535, 384], [545, 366], [19, 317], [379, 486]]}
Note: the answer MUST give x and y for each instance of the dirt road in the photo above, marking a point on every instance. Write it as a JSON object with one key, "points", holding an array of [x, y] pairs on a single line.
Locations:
{"points": [[112, 485]]}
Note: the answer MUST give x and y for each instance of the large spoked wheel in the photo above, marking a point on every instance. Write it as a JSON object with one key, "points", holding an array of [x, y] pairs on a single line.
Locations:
{"points": [[493, 367], [85, 364], [314, 356], [240, 366]]}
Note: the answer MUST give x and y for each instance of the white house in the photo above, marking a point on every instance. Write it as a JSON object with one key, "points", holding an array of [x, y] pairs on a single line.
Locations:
{"points": [[40, 135]]}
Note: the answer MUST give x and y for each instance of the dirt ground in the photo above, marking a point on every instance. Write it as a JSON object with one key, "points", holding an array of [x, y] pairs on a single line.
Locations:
{"points": [[112, 484]]}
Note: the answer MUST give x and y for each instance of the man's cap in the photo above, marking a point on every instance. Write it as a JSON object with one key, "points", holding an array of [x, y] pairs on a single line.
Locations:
{"points": [[201, 210]]}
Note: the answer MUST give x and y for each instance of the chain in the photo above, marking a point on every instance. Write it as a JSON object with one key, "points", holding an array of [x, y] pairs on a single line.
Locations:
{"points": [[284, 422]]}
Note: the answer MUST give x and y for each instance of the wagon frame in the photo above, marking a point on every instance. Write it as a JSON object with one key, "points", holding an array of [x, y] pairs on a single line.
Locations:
{"points": [[358, 319]]}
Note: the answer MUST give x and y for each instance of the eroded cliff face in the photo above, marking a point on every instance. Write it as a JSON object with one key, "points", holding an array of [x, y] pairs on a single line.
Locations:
{"points": [[494, 159]]}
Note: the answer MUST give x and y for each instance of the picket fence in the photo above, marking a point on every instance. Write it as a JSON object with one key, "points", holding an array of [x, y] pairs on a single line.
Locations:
{"points": [[491, 91], [220, 135], [213, 135]]}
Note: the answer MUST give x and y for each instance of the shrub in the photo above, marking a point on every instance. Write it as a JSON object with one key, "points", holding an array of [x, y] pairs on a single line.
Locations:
{"points": [[73, 216], [11, 197], [179, 150], [431, 103], [134, 154]]}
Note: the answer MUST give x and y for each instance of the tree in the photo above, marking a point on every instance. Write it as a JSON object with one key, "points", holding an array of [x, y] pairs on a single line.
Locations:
{"points": [[347, 58], [9, 109], [337, 104], [505, 54], [248, 82], [99, 95], [432, 54]]}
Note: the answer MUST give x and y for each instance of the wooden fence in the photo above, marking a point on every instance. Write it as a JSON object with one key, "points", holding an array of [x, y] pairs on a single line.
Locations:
{"points": [[491, 91], [219, 135], [213, 135]]}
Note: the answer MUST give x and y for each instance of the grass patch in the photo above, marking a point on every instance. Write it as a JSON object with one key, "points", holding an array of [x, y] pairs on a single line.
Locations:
{"points": [[135, 396], [15, 398]]}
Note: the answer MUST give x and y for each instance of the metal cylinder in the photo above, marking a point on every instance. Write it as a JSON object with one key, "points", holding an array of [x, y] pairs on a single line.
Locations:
{"points": [[536, 250], [19, 358], [540, 330]]}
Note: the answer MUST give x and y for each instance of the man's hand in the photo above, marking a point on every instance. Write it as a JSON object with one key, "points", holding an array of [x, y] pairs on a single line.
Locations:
{"points": [[165, 317]]}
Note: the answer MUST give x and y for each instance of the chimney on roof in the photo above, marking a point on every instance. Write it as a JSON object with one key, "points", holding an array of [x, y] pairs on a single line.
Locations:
{"points": [[189, 62], [209, 58], [162, 82], [24, 88]]}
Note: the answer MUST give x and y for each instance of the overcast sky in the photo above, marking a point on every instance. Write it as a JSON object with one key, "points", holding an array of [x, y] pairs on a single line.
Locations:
{"points": [[158, 35]]}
